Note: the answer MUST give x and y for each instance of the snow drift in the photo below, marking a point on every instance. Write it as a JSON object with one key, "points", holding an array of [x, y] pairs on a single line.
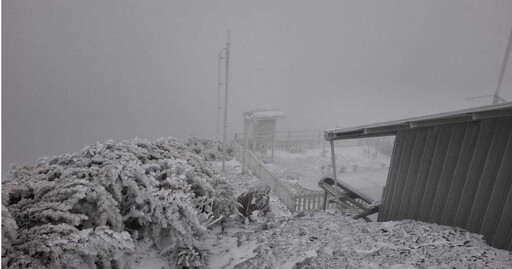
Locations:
{"points": [[90, 209]]}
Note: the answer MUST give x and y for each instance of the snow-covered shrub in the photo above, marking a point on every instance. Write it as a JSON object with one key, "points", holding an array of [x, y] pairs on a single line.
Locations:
{"points": [[9, 233], [189, 257], [64, 246], [90, 207], [209, 150]]}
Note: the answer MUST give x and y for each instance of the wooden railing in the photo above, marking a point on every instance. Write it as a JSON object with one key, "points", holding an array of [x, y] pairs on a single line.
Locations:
{"points": [[295, 197]]}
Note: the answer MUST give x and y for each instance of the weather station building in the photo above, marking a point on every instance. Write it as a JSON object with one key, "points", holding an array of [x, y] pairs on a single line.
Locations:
{"points": [[260, 130], [451, 169]]}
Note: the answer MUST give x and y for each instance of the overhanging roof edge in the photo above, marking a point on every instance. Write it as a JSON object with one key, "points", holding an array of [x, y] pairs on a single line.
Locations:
{"points": [[391, 127]]}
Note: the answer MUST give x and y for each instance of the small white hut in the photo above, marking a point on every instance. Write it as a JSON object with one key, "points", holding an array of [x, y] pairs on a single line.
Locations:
{"points": [[260, 129]]}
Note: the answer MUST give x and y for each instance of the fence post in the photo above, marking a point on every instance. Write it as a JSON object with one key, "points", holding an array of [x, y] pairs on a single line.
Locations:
{"points": [[288, 141], [325, 199]]}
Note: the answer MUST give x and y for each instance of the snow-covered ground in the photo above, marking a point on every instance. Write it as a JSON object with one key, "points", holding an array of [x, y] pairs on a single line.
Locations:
{"points": [[331, 240], [275, 240], [355, 166], [322, 240]]}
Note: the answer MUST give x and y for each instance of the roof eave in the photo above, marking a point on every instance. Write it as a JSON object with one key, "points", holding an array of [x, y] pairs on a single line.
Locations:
{"points": [[391, 128]]}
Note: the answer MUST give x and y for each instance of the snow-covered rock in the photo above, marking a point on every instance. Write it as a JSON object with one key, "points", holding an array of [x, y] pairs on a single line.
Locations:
{"points": [[255, 199]]}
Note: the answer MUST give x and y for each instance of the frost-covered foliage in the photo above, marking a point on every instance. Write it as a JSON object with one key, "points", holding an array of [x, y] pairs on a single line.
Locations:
{"points": [[9, 232], [65, 246], [210, 150], [88, 209]]}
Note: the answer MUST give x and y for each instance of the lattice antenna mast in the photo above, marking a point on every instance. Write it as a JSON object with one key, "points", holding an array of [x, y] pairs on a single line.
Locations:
{"points": [[219, 88], [496, 98]]}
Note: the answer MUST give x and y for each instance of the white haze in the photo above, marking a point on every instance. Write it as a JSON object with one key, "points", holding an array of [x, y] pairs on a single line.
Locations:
{"points": [[76, 72]]}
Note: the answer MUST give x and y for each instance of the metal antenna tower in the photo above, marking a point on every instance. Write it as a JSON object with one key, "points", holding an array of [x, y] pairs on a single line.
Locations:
{"points": [[219, 85], [496, 98]]}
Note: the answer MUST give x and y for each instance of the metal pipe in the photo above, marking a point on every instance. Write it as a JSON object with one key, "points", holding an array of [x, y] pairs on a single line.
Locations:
{"points": [[219, 84], [226, 84], [333, 159], [245, 146]]}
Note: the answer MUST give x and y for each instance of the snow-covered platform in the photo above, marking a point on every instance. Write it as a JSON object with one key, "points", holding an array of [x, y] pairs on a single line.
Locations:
{"points": [[369, 183], [362, 173]]}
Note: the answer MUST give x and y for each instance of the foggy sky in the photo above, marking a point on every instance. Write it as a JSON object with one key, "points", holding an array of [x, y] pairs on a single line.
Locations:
{"points": [[77, 72]]}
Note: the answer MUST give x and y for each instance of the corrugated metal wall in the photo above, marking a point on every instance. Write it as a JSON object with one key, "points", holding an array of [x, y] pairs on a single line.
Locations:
{"points": [[454, 174]]}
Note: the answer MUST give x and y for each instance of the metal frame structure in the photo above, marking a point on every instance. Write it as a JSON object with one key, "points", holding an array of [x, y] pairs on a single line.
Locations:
{"points": [[450, 168], [346, 196], [226, 88]]}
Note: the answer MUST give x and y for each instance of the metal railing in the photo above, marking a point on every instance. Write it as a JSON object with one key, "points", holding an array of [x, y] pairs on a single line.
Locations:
{"points": [[295, 197], [299, 140]]}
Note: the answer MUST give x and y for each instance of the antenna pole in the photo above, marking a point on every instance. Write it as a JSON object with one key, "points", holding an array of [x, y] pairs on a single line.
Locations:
{"points": [[496, 98], [226, 84], [219, 84]]}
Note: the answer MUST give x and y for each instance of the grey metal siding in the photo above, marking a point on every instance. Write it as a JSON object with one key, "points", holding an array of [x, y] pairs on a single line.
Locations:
{"points": [[460, 174], [421, 180], [419, 147], [393, 170], [456, 174], [435, 172], [402, 173]]}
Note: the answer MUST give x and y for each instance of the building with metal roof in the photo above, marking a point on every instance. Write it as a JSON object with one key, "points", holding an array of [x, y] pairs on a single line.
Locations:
{"points": [[451, 168], [264, 114]]}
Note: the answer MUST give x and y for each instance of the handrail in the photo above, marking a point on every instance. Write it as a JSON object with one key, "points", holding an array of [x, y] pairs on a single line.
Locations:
{"points": [[301, 200]]}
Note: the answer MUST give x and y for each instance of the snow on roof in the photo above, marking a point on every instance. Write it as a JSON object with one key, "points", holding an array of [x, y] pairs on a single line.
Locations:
{"points": [[391, 127], [264, 114]]}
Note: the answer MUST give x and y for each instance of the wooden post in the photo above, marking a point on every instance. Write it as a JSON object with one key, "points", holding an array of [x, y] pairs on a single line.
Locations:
{"points": [[325, 200]]}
